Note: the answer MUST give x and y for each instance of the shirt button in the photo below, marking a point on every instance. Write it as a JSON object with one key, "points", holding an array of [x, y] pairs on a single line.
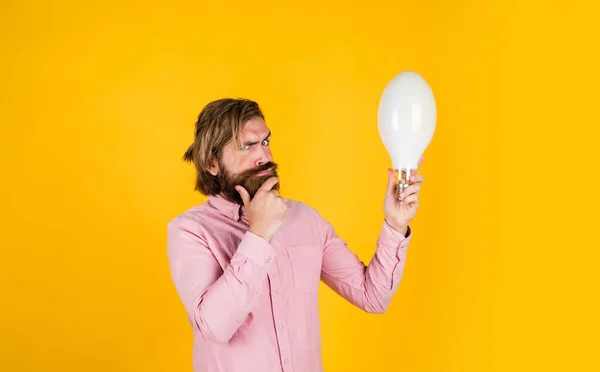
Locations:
{"points": [[276, 292], [268, 260], [255, 292], [281, 326], [286, 361]]}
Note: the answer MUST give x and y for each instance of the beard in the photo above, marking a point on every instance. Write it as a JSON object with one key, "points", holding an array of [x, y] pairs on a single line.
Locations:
{"points": [[249, 179]]}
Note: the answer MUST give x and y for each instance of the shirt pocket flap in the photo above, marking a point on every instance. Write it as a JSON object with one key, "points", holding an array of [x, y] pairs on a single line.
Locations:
{"points": [[306, 262]]}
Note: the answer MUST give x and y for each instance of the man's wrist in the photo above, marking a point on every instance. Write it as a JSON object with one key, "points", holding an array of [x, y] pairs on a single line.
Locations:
{"points": [[403, 229], [261, 235]]}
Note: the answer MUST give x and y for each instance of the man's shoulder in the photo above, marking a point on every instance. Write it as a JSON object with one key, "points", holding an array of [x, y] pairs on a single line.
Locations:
{"points": [[195, 215], [299, 205], [302, 209]]}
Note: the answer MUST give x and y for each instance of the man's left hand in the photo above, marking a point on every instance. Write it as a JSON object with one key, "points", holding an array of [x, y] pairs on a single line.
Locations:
{"points": [[398, 214]]}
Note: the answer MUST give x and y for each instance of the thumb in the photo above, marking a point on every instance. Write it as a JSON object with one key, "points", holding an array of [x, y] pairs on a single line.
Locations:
{"points": [[244, 194], [391, 182]]}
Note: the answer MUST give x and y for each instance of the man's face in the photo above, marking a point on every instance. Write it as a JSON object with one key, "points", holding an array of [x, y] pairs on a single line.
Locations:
{"points": [[247, 162]]}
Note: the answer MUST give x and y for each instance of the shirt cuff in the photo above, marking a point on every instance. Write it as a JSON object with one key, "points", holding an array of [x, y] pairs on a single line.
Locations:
{"points": [[256, 249], [393, 240]]}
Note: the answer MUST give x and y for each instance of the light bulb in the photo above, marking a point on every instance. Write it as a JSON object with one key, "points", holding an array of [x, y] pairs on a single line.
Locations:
{"points": [[406, 121]]}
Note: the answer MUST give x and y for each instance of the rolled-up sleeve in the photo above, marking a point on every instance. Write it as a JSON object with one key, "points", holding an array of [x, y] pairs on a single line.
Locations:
{"points": [[369, 287]]}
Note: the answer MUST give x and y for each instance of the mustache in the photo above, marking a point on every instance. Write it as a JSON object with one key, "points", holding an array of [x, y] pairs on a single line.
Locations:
{"points": [[254, 171]]}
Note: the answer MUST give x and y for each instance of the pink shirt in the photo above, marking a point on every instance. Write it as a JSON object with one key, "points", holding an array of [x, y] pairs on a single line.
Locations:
{"points": [[253, 305]]}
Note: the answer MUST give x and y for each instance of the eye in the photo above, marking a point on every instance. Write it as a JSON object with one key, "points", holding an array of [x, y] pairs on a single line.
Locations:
{"points": [[266, 142], [245, 148]]}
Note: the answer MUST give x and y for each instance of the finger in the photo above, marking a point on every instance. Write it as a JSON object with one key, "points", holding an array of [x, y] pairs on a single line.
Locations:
{"points": [[414, 171], [391, 182], [412, 189], [244, 194], [283, 202], [411, 199], [417, 178], [420, 162], [268, 185], [287, 209]]}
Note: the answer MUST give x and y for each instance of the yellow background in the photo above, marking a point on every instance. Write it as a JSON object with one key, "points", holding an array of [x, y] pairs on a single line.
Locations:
{"points": [[97, 106]]}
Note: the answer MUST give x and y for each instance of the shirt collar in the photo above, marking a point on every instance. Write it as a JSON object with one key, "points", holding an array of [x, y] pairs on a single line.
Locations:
{"points": [[228, 208]]}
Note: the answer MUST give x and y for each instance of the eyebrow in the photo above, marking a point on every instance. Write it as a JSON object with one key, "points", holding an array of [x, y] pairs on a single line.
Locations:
{"points": [[252, 143]]}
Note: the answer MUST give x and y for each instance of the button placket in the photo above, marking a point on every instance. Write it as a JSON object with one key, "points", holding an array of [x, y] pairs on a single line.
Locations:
{"points": [[278, 319]]}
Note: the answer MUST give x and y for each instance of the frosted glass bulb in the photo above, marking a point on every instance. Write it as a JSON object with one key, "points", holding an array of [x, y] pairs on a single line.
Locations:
{"points": [[406, 119]]}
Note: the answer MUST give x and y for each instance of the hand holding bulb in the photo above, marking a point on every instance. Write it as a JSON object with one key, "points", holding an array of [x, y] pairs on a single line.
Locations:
{"points": [[398, 214], [406, 122]]}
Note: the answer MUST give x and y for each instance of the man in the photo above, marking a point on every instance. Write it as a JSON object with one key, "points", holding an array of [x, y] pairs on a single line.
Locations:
{"points": [[247, 263]]}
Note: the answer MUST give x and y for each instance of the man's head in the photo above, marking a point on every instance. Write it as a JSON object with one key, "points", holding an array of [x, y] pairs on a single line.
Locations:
{"points": [[231, 147]]}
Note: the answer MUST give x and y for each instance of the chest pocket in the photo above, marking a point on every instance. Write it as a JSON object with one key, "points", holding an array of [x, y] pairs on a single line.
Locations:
{"points": [[306, 267]]}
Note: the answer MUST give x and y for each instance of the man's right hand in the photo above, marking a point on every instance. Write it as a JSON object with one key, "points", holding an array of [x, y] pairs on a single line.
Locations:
{"points": [[267, 211]]}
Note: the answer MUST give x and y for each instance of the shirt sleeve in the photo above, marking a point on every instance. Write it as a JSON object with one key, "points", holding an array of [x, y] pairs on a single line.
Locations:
{"points": [[369, 287], [217, 301]]}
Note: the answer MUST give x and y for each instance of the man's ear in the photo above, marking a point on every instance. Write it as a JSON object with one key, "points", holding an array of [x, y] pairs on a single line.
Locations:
{"points": [[214, 167]]}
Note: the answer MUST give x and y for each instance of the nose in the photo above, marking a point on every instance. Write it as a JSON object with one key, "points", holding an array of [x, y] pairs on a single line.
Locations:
{"points": [[262, 156]]}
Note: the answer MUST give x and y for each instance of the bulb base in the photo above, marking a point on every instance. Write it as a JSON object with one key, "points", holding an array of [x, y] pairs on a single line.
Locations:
{"points": [[402, 180]]}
